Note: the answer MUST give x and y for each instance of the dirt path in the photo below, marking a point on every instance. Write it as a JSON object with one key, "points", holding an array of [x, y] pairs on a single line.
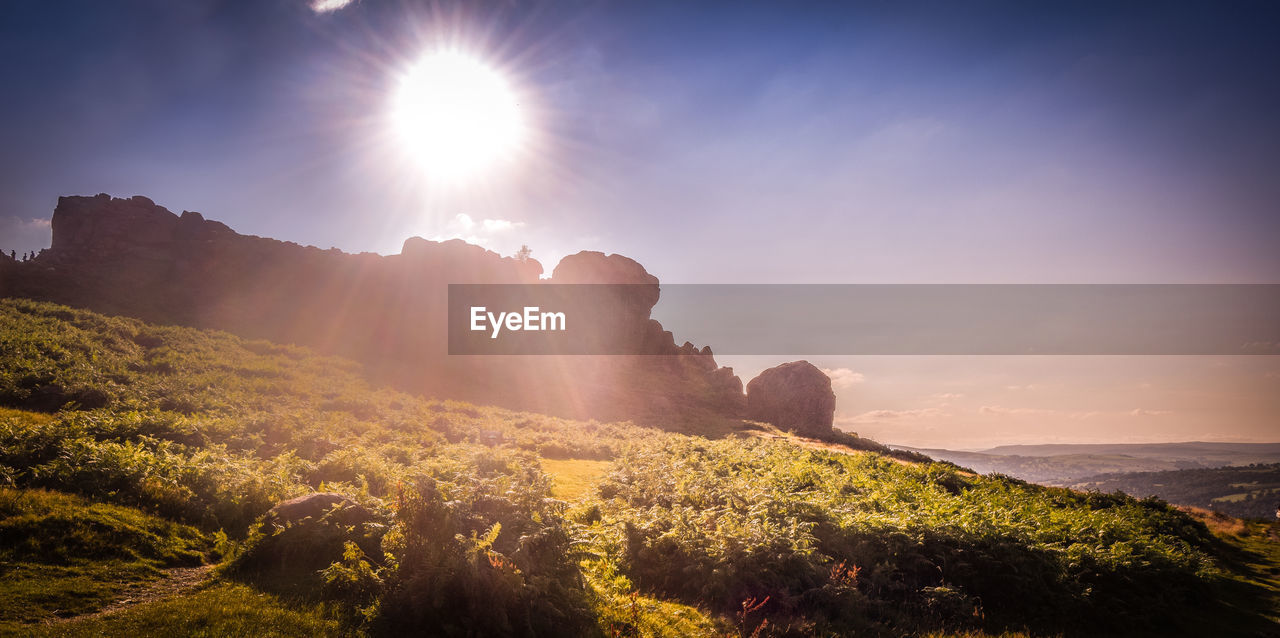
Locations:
{"points": [[176, 581]]}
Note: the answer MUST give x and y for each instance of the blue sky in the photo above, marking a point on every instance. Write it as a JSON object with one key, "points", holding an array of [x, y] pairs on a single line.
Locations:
{"points": [[715, 143], [877, 142]]}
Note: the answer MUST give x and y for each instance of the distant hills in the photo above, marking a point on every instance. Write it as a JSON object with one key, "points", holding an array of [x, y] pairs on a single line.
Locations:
{"points": [[1252, 491], [1210, 452], [1067, 464]]}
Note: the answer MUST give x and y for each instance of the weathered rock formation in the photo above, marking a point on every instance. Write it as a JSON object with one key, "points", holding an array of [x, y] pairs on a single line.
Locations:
{"points": [[132, 257], [795, 396]]}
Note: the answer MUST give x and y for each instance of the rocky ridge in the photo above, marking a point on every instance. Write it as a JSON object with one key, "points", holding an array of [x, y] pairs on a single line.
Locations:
{"points": [[135, 258]]}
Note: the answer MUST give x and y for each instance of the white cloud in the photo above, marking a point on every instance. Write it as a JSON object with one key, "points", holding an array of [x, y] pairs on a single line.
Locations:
{"points": [[1003, 411], [463, 221], [500, 225], [1260, 346], [879, 416], [13, 222], [1067, 414], [329, 6], [489, 233], [24, 235], [844, 377], [948, 396]]}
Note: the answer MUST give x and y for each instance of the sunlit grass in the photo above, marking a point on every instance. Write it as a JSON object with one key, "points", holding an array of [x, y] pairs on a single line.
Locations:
{"points": [[573, 478], [221, 610], [62, 555], [169, 437]]}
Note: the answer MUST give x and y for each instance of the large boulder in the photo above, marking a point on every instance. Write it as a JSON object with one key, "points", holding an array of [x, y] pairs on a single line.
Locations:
{"points": [[620, 310], [794, 396], [316, 505]]}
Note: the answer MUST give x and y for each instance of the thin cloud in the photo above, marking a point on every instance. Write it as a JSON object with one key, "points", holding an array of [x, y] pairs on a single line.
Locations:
{"points": [[22, 235], [844, 377], [1260, 346], [880, 416], [462, 224], [16, 223], [500, 225], [1003, 411], [484, 232]]}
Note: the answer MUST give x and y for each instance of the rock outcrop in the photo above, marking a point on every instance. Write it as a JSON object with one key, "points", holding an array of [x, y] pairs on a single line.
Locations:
{"points": [[132, 257], [317, 505], [303, 535], [795, 396]]}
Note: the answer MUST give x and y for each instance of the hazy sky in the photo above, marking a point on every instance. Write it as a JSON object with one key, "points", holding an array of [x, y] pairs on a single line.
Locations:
{"points": [[737, 142]]}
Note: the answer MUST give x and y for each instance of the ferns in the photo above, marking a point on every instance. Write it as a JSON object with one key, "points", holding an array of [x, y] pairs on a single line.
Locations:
{"points": [[722, 522], [682, 535], [481, 549]]}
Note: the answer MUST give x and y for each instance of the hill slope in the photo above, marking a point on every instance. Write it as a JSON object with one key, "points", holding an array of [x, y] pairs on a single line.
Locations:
{"points": [[442, 534]]}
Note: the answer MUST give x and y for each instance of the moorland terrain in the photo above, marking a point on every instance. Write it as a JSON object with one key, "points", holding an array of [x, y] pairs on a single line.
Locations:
{"points": [[204, 433], [133, 453]]}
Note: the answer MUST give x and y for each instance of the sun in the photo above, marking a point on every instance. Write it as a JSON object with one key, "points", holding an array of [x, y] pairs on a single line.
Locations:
{"points": [[457, 116]]}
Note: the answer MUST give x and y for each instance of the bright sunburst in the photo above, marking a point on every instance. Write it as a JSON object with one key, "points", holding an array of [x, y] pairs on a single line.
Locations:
{"points": [[457, 115]]}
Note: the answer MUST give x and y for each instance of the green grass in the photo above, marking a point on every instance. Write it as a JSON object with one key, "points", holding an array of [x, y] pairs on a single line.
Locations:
{"points": [[31, 593], [62, 555], [130, 448], [225, 609], [1261, 544], [721, 522], [621, 610], [574, 478], [1253, 548]]}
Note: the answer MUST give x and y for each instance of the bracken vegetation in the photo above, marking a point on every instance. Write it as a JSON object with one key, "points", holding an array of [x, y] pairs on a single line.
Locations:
{"points": [[128, 450]]}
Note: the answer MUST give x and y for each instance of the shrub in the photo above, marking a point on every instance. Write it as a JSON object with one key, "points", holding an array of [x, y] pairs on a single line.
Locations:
{"points": [[721, 522], [298, 550], [483, 550]]}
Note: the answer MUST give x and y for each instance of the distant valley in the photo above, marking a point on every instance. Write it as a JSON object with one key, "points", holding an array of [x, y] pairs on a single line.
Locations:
{"points": [[1060, 464], [1251, 491], [1240, 479]]}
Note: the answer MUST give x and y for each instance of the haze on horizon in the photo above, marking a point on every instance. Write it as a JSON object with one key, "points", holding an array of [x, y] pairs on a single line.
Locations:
{"points": [[995, 142]]}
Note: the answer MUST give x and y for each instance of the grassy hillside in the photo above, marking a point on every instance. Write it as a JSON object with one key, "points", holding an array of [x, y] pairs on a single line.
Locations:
{"points": [[131, 452]]}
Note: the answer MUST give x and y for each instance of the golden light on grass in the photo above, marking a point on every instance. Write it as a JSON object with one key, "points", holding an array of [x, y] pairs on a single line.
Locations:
{"points": [[457, 116]]}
